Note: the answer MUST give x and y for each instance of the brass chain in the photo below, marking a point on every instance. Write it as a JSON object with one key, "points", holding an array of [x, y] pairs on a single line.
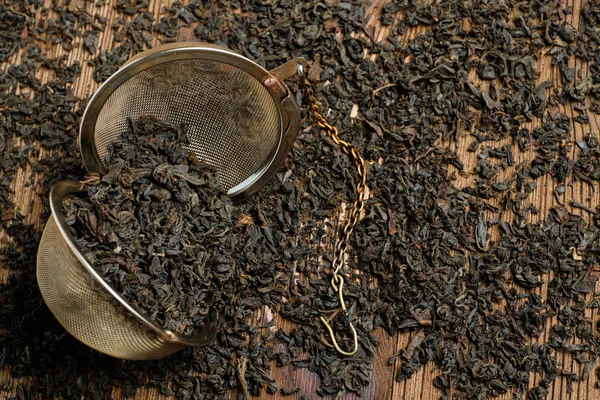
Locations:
{"points": [[341, 247]]}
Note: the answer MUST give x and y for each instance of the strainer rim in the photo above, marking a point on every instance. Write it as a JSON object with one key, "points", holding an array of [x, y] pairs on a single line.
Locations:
{"points": [[57, 194]]}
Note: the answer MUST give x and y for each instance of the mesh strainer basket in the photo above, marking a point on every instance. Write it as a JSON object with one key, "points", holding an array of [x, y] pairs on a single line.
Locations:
{"points": [[241, 119]]}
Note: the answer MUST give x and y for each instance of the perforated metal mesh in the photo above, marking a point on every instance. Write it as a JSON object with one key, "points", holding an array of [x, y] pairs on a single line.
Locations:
{"points": [[86, 310], [234, 123]]}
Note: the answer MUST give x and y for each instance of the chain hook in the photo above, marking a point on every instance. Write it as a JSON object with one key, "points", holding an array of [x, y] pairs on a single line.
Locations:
{"points": [[334, 341], [339, 288]]}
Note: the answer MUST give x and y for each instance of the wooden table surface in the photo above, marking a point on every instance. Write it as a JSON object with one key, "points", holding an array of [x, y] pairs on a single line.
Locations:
{"points": [[383, 383]]}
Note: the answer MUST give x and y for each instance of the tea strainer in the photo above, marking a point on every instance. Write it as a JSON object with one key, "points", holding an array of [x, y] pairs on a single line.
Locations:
{"points": [[241, 119]]}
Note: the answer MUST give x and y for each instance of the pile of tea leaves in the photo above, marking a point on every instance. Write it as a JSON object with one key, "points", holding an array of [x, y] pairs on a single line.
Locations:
{"points": [[152, 225], [480, 238]]}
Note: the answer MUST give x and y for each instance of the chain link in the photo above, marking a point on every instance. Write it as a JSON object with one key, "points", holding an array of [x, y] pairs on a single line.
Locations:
{"points": [[341, 247]]}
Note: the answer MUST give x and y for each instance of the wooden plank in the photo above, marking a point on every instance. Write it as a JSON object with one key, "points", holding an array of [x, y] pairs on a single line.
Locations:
{"points": [[383, 385]]}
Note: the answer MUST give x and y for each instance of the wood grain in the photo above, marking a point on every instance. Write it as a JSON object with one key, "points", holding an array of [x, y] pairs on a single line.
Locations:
{"points": [[383, 384]]}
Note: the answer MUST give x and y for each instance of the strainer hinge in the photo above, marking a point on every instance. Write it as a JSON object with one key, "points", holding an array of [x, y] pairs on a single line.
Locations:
{"points": [[276, 87], [274, 83]]}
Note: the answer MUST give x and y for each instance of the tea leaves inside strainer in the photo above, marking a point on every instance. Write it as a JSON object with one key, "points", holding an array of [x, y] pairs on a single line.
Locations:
{"points": [[241, 119]]}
